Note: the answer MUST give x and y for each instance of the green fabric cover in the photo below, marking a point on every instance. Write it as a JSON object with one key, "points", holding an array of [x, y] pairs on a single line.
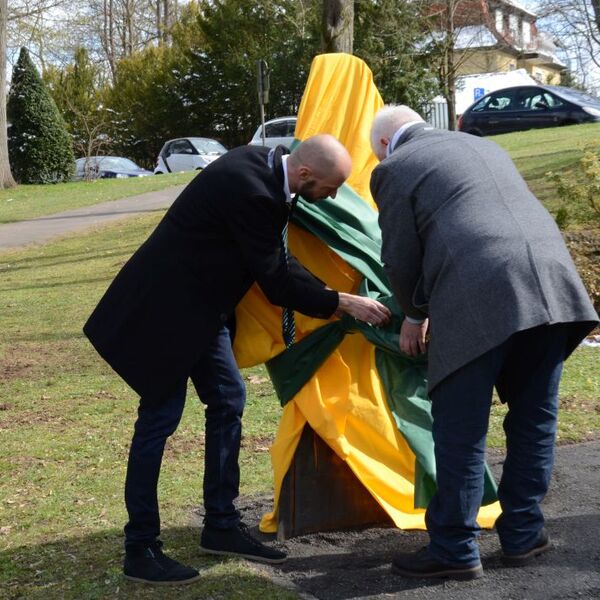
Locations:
{"points": [[348, 225]]}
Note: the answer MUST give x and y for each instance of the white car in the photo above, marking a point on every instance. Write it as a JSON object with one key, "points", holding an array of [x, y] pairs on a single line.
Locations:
{"points": [[277, 131], [188, 154]]}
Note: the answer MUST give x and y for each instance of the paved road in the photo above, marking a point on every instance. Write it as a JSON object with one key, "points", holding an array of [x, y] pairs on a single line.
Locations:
{"points": [[43, 229]]}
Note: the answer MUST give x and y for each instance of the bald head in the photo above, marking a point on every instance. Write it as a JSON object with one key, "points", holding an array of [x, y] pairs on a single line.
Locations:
{"points": [[318, 167], [386, 122]]}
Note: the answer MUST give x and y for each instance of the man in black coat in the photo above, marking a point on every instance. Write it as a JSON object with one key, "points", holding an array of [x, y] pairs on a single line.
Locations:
{"points": [[165, 319]]}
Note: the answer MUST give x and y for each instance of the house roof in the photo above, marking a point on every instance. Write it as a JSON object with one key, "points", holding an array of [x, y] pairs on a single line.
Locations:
{"points": [[519, 7], [474, 36]]}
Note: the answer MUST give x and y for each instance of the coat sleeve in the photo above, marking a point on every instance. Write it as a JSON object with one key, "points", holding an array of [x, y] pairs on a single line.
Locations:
{"points": [[401, 251], [285, 282]]}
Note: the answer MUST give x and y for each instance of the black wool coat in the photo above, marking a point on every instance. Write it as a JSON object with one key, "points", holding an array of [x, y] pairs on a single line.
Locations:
{"points": [[222, 234]]}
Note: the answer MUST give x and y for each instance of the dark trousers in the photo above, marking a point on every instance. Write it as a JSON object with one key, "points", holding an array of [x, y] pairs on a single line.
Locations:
{"points": [[221, 388], [526, 371]]}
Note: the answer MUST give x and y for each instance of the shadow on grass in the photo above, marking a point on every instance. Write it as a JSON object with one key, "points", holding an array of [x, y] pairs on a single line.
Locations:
{"points": [[38, 262], [89, 567], [44, 285]]}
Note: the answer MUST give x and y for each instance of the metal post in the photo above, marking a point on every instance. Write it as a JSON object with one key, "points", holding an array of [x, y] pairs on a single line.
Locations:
{"points": [[263, 93]]}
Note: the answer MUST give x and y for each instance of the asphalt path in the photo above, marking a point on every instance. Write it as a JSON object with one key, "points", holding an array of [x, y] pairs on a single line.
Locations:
{"points": [[352, 565], [43, 229]]}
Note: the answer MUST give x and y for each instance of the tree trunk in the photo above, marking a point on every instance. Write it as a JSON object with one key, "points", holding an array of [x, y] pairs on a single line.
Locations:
{"points": [[108, 35], [338, 26], [166, 20], [450, 67], [6, 178], [159, 27], [596, 9]]}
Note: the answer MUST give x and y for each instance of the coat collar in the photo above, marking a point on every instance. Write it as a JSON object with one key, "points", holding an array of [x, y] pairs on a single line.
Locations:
{"points": [[414, 130], [275, 162]]}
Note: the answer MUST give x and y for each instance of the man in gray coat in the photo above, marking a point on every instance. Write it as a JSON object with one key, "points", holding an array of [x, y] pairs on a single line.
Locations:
{"points": [[478, 264]]}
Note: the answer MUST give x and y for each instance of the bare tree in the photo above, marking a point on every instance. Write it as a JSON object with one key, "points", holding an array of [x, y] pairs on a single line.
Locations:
{"points": [[576, 23], [127, 26], [6, 178], [338, 26], [445, 22]]}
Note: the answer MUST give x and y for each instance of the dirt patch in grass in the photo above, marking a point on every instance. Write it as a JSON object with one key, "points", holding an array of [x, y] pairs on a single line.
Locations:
{"points": [[182, 444], [257, 443], [577, 404], [32, 418], [188, 444], [32, 360]]}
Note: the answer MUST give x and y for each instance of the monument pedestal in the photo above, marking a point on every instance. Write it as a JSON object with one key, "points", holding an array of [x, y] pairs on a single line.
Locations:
{"points": [[321, 493]]}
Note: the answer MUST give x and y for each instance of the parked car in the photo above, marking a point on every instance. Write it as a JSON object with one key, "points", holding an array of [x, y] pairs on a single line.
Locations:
{"points": [[188, 154], [529, 107], [277, 131], [106, 167]]}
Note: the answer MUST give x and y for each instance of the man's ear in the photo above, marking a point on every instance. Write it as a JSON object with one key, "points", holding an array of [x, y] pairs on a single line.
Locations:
{"points": [[304, 173]]}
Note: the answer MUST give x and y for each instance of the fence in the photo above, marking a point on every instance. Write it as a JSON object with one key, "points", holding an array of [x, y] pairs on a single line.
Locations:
{"points": [[436, 113]]}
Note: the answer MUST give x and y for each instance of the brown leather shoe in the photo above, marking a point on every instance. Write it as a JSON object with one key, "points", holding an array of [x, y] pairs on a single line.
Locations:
{"points": [[542, 545], [422, 565]]}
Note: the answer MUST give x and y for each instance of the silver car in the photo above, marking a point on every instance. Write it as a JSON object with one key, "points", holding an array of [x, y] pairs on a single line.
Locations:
{"points": [[188, 154], [277, 131]]}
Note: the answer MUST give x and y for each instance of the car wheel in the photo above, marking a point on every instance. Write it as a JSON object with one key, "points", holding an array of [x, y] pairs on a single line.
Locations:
{"points": [[475, 132]]}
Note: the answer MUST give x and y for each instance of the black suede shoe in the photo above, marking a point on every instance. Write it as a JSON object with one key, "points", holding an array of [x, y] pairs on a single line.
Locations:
{"points": [[148, 564], [542, 545], [422, 565], [236, 541]]}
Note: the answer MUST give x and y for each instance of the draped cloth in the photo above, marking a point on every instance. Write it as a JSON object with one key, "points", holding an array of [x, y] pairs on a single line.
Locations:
{"points": [[347, 380]]}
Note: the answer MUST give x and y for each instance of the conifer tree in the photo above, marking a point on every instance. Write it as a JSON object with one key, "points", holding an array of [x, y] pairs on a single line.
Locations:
{"points": [[39, 146]]}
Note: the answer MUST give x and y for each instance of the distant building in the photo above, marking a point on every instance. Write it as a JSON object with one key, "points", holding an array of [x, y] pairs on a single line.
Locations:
{"points": [[494, 36]]}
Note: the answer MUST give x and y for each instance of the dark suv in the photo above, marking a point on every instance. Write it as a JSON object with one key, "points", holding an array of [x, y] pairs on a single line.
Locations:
{"points": [[529, 107]]}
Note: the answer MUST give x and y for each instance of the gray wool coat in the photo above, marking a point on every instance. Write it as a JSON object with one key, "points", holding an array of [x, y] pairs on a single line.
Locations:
{"points": [[466, 243]]}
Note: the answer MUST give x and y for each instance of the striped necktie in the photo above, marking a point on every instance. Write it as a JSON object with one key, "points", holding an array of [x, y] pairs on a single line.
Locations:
{"points": [[288, 323]]}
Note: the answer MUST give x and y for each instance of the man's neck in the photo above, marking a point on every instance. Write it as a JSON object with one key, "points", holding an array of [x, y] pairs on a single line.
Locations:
{"points": [[394, 141]]}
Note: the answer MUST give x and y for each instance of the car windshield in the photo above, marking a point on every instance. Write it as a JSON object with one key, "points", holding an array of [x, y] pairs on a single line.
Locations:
{"points": [[114, 163], [575, 95], [206, 146]]}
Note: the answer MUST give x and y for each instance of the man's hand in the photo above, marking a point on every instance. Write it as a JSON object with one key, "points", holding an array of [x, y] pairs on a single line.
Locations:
{"points": [[412, 337], [364, 309]]}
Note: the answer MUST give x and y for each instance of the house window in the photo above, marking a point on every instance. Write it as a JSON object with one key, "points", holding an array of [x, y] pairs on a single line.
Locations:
{"points": [[499, 21], [526, 33], [513, 27]]}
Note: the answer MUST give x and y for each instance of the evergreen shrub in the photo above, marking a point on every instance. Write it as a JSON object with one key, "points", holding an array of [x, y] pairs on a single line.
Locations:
{"points": [[39, 145]]}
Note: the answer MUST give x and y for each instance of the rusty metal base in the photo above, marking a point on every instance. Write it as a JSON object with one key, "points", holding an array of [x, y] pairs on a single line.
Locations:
{"points": [[321, 493]]}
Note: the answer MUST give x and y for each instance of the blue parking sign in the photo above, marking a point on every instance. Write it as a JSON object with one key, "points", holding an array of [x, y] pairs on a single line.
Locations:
{"points": [[478, 93]]}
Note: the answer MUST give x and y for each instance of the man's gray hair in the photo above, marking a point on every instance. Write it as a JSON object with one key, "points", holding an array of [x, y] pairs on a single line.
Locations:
{"points": [[388, 120]]}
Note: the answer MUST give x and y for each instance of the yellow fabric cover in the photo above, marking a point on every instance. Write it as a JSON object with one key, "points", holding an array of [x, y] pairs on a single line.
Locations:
{"points": [[344, 401]]}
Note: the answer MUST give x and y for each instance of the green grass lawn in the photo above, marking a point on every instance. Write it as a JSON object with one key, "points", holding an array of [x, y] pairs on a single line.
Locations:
{"points": [[29, 201], [557, 149], [66, 422]]}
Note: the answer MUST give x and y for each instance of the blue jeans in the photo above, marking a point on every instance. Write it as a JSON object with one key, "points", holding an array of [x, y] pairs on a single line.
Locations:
{"points": [[526, 371], [221, 388]]}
